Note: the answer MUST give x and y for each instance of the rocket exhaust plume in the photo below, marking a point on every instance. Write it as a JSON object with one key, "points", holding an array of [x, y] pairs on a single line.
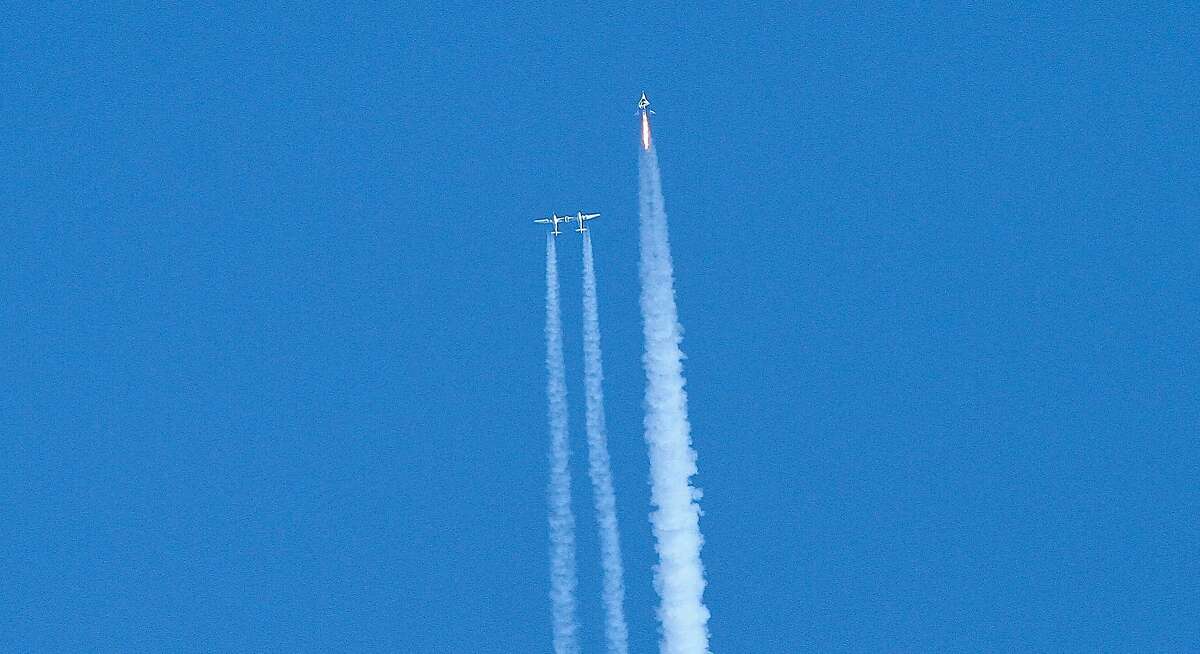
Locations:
{"points": [[616, 632], [679, 575], [562, 520]]}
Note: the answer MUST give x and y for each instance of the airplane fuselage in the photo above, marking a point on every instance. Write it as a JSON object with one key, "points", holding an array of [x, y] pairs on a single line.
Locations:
{"points": [[554, 220], [583, 218]]}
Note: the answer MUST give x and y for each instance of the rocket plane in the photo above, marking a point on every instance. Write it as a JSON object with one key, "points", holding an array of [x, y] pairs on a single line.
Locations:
{"points": [[643, 107], [644, 104]]}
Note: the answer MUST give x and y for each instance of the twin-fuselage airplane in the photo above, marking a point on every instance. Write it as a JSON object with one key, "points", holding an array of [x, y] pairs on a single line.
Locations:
{"points": [[555, 219]]}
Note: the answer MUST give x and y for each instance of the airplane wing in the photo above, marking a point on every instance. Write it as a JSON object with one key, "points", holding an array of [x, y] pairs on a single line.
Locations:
{"points": [[544, 221], [589, 216]]}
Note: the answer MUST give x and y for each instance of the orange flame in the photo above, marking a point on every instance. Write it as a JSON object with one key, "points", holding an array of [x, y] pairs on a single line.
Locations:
{"points": [[645, 131]]}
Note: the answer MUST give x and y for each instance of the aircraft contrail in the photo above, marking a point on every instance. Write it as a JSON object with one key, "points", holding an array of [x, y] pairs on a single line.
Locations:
{"points": [[562, 520], [599, 468], [679, 576]]}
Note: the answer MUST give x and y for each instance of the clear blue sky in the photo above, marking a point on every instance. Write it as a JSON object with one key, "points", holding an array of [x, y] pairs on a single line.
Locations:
{"points": [[273, 363]]}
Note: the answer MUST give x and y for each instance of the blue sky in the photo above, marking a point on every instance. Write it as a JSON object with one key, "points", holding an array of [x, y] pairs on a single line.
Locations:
{"points": [[273, 372]]}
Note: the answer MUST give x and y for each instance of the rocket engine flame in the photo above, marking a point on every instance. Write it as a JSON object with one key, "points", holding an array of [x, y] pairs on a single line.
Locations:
{"points": [[645, 131]]}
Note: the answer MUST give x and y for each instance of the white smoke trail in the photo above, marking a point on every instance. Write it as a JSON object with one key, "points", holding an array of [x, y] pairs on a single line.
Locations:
{"points": [[679, 576], [562, 520], [599, 469]]}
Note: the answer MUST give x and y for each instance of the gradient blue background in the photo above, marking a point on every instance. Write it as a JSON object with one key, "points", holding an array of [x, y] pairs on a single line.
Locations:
{"points": [[273, 364]]}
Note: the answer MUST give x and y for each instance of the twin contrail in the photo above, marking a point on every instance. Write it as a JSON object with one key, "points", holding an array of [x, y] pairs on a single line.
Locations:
{"points": [[679, 576], [562, 520], [616, 632]]}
